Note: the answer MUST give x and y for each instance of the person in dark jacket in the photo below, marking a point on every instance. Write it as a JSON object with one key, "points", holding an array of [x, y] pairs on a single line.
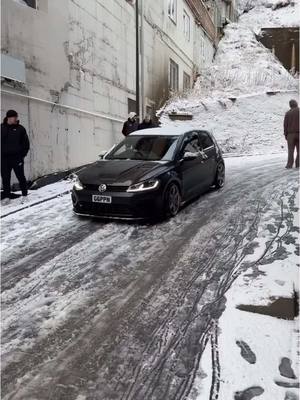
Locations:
{"points": [[147, 123], [291, 133], [14, 148], [131, 125]]}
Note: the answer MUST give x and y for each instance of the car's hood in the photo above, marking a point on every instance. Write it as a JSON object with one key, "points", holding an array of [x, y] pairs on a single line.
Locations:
{"points": [[121, 172]]}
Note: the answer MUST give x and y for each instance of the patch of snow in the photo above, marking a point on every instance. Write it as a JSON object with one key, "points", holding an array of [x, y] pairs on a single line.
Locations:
{"points": [[269, 338], [36, 196], [269, 14], [230, 97], [250, 125], [243, 65]]}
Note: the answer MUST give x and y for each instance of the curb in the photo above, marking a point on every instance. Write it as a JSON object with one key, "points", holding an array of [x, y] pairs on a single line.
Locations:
{"points": [[35, 204]]}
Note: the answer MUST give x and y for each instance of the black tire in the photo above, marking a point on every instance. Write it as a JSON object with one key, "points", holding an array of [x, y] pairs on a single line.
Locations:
{"points": [[172, 200], [220, 175]]}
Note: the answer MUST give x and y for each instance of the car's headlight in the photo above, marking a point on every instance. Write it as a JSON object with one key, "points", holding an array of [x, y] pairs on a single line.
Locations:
{"points": [[77, 184], [143, 186]]}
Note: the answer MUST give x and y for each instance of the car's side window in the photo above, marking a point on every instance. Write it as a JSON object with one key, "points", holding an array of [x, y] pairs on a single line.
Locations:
{"points": [[192, 144], [205, 140]]}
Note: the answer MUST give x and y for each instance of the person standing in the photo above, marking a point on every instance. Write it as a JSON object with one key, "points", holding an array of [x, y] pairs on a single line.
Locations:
{"points": [[14, 148], [147, 123], [131, 125], [291, 133]]}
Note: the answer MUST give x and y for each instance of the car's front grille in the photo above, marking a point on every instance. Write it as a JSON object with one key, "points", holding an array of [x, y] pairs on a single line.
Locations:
{"points": [[106, 209], [109, 188]]}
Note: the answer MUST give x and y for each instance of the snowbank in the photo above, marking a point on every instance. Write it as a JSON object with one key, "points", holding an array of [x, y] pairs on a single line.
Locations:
{"points": [[243, 65], [257, 14], [234, 98], [250, 125], [37, 196]]}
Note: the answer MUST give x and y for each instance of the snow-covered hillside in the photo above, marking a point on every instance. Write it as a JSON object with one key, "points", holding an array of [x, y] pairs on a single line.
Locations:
{"points": [[250, 125], [256, 14], [230, 98]]}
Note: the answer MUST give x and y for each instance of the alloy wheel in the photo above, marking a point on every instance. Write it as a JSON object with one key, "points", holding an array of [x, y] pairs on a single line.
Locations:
{"points": [[220, 175], [173, 199]]}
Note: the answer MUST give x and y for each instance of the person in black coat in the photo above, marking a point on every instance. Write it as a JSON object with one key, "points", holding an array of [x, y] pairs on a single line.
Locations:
{"points": [[14, 148], [131, 125], [147, 123]]}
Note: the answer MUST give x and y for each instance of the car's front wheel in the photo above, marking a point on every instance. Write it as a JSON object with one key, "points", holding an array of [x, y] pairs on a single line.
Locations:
{"points": [[172, 200], [220, 176]]}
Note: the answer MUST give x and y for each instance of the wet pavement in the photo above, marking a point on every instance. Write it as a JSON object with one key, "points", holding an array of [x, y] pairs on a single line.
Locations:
{"points": [[95, 310]]}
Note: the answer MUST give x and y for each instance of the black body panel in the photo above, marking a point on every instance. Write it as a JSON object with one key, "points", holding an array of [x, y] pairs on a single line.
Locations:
{"points": [[193, 177]]}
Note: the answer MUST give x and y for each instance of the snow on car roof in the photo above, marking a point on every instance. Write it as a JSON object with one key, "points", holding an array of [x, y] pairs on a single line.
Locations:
{"points": [[167, 130]]}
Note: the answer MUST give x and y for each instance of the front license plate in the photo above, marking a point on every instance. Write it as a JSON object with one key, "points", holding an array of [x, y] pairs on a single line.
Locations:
{"points": [[101, 199]]}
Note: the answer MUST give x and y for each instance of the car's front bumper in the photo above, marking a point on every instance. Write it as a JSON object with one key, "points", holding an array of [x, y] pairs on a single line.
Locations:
{"points": [[124, 205]]}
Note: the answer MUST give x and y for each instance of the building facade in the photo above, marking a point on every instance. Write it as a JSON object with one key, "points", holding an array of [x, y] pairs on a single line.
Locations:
{"points": [[69, 69]]}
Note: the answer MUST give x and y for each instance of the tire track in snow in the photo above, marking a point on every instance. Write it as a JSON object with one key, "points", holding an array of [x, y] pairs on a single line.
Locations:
{"points": [[141, 309], [216, 369]]}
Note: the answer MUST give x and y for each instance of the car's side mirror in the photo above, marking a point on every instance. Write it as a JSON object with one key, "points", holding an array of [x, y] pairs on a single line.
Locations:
{"points": [[188, 156], [102, 154]]}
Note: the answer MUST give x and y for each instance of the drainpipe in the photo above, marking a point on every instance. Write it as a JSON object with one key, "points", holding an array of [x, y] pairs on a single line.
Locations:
{"points": [[142, 62], [137, 56]]}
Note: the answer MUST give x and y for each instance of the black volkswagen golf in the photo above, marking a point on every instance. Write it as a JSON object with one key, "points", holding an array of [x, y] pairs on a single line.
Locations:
{"points": [[151, 173]]}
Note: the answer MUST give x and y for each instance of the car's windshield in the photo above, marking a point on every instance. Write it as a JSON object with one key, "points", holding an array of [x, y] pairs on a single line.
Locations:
{"points": [[149, 148]]}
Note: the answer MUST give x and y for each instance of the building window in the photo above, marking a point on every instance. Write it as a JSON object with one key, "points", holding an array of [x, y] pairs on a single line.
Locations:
{"points": [[31, 3], [173, 76], [186, 26], [186, 81], [172, 10], [131, 105]]}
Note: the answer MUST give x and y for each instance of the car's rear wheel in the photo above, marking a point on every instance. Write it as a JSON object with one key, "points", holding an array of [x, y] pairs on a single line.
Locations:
{"points": [[220, 176], [172, 200]]}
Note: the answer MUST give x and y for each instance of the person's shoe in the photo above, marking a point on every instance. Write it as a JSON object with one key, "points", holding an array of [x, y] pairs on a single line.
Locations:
{"points": [[13, 196], [288, 167], [4, 195]]}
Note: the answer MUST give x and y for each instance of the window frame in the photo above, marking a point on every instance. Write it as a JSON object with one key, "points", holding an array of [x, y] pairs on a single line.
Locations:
{"points": [[187, 139], [172, 10], [186, 24], [185, 77], [173, 67], [131, 105], [209, 137]]}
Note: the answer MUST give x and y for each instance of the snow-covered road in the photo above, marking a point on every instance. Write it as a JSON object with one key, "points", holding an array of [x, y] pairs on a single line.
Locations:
{"points": [[94, 310]]}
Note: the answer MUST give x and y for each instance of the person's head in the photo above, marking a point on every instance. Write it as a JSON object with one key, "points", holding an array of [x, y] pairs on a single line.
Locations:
{"points": [[11, 117], [293, 103], [147, 119], [132, 116]]}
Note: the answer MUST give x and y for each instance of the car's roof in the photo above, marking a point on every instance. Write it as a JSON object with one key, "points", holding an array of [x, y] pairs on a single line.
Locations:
{"points": [[164, 131]]}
